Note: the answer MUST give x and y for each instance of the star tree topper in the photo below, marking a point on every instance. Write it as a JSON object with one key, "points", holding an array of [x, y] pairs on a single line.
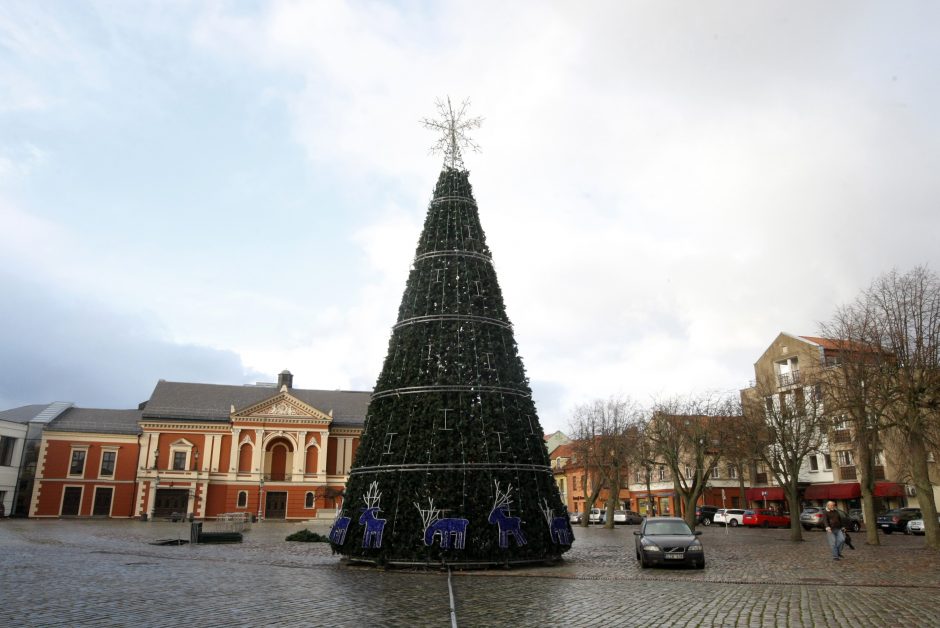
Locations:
{"points": [[453, 127]]}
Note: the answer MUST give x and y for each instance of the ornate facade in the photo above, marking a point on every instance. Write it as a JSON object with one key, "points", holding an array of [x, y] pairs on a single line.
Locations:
{"points": [[203, 450]]}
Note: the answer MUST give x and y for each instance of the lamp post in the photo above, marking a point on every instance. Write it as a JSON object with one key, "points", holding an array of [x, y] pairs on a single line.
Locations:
{"points": [[764, 493], [260, 495]]}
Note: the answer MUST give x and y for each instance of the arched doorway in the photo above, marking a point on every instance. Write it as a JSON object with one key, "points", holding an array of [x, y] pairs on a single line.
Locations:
{"points": [[278, 456]]}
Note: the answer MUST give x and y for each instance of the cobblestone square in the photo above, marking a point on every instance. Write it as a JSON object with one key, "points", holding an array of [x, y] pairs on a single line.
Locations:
{"points": [[71, 573]]}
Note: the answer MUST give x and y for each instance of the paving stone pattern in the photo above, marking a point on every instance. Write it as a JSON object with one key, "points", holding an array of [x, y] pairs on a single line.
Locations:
{"points": [[105, 573]]}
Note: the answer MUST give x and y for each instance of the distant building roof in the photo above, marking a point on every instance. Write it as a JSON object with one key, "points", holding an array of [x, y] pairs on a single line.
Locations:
{"points": [[562, 451], [96, 420], [213, 402], [40, 412]]}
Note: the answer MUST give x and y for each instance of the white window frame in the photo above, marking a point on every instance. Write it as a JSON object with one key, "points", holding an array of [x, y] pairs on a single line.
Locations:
{"points": [[313, 500], [846, 459], [239, 500], [716, 472], [105, 450], [813, 463], [732, 472], [84, 450], [181, 446]]}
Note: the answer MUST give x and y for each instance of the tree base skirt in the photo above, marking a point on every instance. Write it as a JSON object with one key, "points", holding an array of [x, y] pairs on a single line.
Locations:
{"points": [[458, 565]]}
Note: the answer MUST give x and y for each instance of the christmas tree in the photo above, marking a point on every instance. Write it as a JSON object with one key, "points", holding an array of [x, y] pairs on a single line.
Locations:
{"points": [[452, 466]]}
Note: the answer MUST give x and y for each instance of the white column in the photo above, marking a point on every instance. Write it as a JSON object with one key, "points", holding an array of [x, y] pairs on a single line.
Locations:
{"points": [[321, 454], [300, 455], [233, 457], [347, 460], [256, 459]]}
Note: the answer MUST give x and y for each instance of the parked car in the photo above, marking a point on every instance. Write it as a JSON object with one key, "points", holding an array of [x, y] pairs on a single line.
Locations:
{"points": [[896, 520], [729, 517], [704, 514], [597, 515], [668, 541], [815, 517], [627, 516], [574, 517], [766, 518], [916, 526]]}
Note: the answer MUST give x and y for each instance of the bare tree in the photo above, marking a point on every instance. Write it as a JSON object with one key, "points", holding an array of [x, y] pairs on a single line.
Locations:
{"points": [[792, 426], [906, 336], [686, 436], [583, 428], [609, 426], [855, 386]]}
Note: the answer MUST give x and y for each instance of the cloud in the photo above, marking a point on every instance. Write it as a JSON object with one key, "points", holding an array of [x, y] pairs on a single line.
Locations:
{"points": [[664, 190], [69, 347]]}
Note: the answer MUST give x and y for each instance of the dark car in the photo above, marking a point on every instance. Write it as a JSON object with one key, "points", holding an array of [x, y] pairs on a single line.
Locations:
{"points": [[815, 517], [705, 514], [668, 541], [896, 520]]}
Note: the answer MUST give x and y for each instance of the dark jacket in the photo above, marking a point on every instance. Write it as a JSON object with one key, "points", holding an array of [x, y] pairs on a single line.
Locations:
{"points": [[834, 520]]}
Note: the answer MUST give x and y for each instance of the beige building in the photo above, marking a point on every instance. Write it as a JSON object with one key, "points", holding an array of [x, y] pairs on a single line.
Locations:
{"points": [[790, 372]]}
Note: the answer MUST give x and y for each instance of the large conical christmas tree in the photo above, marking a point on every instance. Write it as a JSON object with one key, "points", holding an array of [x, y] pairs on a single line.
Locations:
{"points": [[452, 465]]}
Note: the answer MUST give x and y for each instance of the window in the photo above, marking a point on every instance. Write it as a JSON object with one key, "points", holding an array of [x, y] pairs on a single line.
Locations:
{"points": [[7, 443], [689, 473], [716, 472], [845, 458], [77, 466], [309, 500], [732, 472], [813, 462], [827, 462], [662, 474], [839, 423], [638, 477], [242, 499], [108, 459], [179, 460]]}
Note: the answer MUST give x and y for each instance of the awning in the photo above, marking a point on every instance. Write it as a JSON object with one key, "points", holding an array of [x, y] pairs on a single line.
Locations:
{"points": [[842, 490], [889, 489], [774, 494], [845, 490], [817, 491]]}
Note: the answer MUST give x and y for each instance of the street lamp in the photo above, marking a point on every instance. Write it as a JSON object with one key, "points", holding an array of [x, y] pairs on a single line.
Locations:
{"points": [[260, 494], [764, 493]]}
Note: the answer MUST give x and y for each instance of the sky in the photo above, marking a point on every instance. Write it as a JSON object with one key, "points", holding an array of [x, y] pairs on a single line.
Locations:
{"points": [[217, 191]]}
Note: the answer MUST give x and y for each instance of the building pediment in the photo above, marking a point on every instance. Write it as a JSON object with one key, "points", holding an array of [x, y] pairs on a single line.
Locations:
{"points": [[281, 407]]}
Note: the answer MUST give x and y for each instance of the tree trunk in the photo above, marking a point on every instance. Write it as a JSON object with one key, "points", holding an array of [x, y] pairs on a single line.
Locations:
{"points": [[793, 498], [866, 468], [919, 474], [741, 487]]}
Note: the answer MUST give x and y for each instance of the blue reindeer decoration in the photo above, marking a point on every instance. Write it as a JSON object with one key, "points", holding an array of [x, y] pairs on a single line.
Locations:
{"points": [[339, 528], [448, 528], [558, 527], [372, 536], [507, 524]]}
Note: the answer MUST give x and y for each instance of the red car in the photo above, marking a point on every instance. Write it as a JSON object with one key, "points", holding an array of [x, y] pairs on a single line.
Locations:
{"points": [[766, 518]]}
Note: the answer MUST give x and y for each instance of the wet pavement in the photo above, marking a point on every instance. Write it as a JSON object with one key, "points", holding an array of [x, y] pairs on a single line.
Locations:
{"points": [[79, 572]]}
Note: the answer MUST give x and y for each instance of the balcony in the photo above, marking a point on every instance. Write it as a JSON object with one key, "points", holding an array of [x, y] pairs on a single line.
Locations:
{"points": [[847, 473], [788, 379], [842, 436]]}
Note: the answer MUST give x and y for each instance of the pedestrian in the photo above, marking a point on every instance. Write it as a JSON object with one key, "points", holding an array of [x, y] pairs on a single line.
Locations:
{"points": [[834, 530]]}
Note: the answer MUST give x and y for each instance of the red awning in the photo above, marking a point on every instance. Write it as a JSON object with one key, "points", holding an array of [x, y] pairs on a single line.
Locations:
{"points": [[774, 494], [845, 490], [889, 489], [817, 491], [842, 490]]}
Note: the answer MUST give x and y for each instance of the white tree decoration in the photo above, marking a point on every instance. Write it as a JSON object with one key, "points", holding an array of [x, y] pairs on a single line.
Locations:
{"points": [[453, 127]]}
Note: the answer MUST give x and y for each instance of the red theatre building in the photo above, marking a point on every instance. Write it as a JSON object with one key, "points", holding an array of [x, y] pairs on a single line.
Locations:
{"points": [[87, 465], [206, 449]]}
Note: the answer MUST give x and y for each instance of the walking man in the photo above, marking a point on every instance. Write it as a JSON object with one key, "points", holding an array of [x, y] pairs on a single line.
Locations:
{"points": [[834, 532]]}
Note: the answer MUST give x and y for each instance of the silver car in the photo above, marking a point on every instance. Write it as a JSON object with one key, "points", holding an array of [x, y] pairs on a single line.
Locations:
{"points": [[916, 526]]}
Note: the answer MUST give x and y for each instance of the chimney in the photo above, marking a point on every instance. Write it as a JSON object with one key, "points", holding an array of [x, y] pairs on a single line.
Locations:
{"points": [[285, 379]]}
